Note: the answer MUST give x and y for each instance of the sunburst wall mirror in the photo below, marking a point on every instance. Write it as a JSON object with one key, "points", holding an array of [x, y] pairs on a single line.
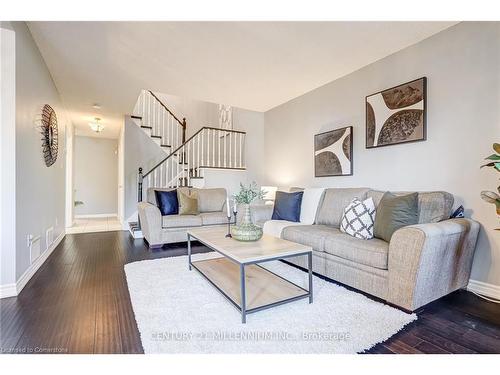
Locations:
{"points": [[49, 132]]}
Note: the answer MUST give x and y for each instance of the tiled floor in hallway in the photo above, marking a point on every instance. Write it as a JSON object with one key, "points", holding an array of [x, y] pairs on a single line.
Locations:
{"points": [[89, 225]]}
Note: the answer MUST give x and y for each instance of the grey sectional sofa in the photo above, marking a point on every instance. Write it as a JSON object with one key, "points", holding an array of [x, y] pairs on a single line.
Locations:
{"points": [[159, 230], [421, 263]]}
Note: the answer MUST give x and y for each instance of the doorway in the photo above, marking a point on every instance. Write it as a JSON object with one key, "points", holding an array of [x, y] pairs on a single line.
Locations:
{"points": [[94, 184]]}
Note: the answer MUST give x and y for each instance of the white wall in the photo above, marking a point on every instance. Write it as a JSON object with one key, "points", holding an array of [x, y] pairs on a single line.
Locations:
{"points": [[40, 190], [462, 65], [252, 123], [121, 175], [139, 151], [197, 113], [96, 175], [7, 157], [70, 147]]}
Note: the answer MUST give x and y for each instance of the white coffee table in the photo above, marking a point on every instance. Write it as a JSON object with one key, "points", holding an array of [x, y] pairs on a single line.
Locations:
{"points": [[238, 275]]}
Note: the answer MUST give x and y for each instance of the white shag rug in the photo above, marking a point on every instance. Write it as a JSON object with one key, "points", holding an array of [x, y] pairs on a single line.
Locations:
{"points": [[178, 311]]}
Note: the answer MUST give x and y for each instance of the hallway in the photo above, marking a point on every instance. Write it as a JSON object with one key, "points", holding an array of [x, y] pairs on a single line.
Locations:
{"points": [[91, 225]]}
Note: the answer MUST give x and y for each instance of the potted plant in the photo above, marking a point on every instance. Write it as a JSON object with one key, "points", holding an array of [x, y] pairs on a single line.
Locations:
{"points": [[494, 162], [246, 230]]}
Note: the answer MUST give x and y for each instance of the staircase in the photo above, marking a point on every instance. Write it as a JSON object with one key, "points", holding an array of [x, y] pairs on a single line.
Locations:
{"points": [[158, 122], [185, 161]]}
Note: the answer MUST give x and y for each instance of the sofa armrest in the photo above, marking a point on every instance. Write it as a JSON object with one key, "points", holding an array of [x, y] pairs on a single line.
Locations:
{"points": [[150, 217], [261, 213], [428, 261]]}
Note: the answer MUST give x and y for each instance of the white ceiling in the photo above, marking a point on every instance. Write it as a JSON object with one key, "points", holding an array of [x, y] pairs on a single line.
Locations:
{"points": [[252, 65]]}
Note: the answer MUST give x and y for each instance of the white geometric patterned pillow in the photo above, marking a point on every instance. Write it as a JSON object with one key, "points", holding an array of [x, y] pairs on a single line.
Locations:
{"points": [[358, 219]]}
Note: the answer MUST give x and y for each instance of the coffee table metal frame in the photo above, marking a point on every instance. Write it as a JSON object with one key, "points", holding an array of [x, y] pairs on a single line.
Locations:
{"points": [[242, 308]]}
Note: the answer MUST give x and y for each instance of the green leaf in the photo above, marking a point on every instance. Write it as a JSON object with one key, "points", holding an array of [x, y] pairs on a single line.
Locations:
{"points": [[493, 157], [496, 147], [497, 166]]}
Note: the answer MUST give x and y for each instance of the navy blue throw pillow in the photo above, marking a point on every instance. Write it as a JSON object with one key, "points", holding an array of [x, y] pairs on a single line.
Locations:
{"points": [[167, 202], [287, 206]]}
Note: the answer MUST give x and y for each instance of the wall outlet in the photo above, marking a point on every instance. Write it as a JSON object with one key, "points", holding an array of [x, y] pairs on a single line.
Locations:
{"points": [[49, 237], [34, 246]]}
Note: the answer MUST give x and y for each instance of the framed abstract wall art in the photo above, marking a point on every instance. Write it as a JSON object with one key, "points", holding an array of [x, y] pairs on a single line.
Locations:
{"points": [[333, 153], [397, 115]]}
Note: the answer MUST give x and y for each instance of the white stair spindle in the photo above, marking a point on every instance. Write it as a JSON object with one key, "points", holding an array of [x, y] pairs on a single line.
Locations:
{"points": [[184, 180], [236, 150], [188, 153], [230, 149], [213, 147], [172, 133], [202, 150], [146, 111], [167, 130], [209, 148], [218, 149], [157, 117], [240, 137], [162, 134], [153, 116], [225, 149], [149, 110], [198, 150]]}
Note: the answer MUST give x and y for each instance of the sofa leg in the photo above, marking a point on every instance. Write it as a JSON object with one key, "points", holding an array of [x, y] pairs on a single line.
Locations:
{"points": [[155, 247]]}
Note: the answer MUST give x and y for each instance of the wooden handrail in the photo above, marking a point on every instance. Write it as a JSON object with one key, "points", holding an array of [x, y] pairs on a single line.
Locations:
{"points": [[190, 138], [181, 123]]}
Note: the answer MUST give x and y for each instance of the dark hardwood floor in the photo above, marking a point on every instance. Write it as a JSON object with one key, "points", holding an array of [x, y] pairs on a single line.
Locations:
{"points": [[78, 302]]}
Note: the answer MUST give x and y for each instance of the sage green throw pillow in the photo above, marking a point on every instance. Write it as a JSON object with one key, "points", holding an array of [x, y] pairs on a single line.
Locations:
{"points": [[187, 205], [394, 212]]}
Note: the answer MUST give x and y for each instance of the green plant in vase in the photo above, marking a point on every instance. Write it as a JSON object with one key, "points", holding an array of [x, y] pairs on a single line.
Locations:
{"points": [[246, 230], [494, 162]]}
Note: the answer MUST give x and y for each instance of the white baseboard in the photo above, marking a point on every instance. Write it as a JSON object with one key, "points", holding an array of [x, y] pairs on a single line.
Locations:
{"points": [[12, 290], [8, 290], [485, 289], [137, 234], [95, 216], [132, 218]]}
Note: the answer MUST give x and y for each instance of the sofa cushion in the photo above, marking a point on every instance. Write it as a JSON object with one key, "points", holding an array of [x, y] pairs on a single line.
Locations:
{"points": [[310, 204], [373, 253], [151, 196], [334, 200], [188, 205], [358, 219], [211, 200], [395, 212], [433, 206], [275, 227], [181, 221], [213, 218], [309, 235], [167, 202], [287, 206]]}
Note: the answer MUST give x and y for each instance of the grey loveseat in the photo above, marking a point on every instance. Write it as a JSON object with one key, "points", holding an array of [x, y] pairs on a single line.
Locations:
{"points": [[159, 230], [421, 262]]}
